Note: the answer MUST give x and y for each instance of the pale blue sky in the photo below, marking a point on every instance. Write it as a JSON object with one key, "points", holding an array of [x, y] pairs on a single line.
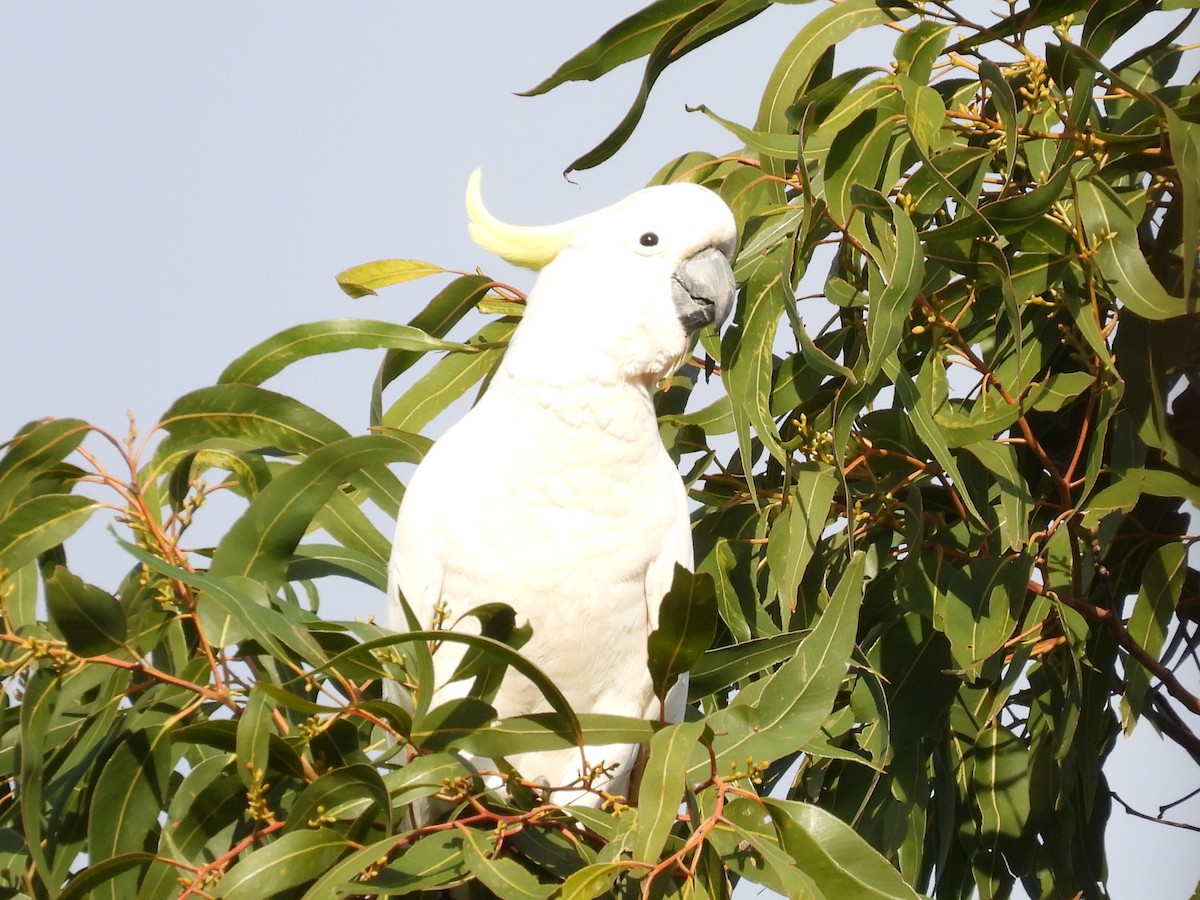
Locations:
{"points": [[183, 180]]}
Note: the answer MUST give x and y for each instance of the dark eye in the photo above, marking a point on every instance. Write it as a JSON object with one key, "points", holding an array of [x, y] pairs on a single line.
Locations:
{"points": [[649, 239]]}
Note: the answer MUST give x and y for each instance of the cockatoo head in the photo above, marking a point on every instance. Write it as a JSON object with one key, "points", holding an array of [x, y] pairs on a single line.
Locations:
{"points": [[625, 287]]}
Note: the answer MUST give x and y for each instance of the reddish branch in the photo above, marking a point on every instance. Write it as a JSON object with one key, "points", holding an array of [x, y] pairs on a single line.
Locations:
{"points": [[1121, 634]]}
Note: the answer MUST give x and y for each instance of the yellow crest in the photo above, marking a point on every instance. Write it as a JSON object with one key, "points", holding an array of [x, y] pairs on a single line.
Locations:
{"points": [[529, 246]]}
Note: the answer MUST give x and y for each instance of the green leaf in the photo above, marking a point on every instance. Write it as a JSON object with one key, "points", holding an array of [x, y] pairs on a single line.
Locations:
{"points": [[1185, 152], [345, 518], [793, 537], [36, 715], [924, 113], [726, 666], [802, 56], [448, 721], [924, 424], [1016, 499], [221, 735], [341, 794], [246, 414], [432, 862], [543, 731], [819, 359], [1162, 583], [320, 560], [720, 564], [748, 358], [777, 146], [895, 278], [254, 729], [423, 777], [1056, 391], [591, 881], [769, 865], [860, 152], [503, 877], [125, 804], [1000, 779], [662, 786], [918, 48], [789, 707], [1002, 98], [285, 864], [278, 352], [1110, 230], [567, 721], [39, 524], [437, 317], [839, 862], [977, 605], [1123, 494], [91, 620], [447, 381], [364, 280], [686, 32], [204, 811], [632, 37], [687, 619], [261, 542], [241, 601], [36, 447], [85, 882]]}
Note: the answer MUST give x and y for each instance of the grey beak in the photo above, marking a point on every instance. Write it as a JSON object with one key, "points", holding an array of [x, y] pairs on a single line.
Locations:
{"points": [[702, 288]]}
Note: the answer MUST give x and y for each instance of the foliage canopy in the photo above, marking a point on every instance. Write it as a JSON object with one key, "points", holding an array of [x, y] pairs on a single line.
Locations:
{"points": [[939, 523]]}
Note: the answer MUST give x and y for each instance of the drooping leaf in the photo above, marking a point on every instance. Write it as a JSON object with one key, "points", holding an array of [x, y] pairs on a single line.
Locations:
{"points": [[662, 786], [1162, 583], [1112, 232], [699, 24], [128, 795], [788, 708], [839, 862], [1001, 786], [91, 620], [633, 37], [686, 620], [793, 537]]}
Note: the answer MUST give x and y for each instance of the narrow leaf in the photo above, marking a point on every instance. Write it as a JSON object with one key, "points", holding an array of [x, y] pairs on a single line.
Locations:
{"points": [[687, 619], [793, 537], [1113, 233], [1162, 583], [366, 279], [40, 523], [839, 862], [261, 543], [662, 786], [34, 448], [288, 863], [302, 341]]}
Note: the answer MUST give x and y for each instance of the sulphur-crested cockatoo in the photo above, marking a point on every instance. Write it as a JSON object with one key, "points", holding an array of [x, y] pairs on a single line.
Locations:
{"points": [[554, 494]]}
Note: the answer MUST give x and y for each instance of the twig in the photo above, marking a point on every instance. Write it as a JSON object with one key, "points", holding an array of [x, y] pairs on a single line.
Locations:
{"points": [[1149, 818]]}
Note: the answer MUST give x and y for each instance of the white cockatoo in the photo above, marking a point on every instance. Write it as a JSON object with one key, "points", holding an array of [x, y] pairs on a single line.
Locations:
{"points": [[554, 494]]}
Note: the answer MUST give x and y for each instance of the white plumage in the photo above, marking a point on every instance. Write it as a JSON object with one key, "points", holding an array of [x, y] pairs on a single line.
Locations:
{"points": [[554, 494]]}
